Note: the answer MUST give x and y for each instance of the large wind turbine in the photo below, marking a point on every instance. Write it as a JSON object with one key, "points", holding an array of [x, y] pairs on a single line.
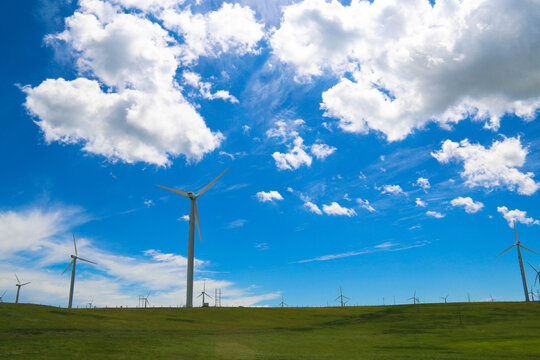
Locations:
{"points": [[193, 216], [74, 262], [518, 247], [537, 277], [18, 285]]}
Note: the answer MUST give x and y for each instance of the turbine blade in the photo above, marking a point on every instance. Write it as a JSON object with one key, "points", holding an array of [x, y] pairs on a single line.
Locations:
{"points": [[526, 248], [88, 261], [68, 266], [209, 296], [196, 211], [336, 298], [199, 295], [3, 294], [75, 245], [533, 267], [25, 283], [507, 249], [175, 191], [18, 281], [212, 183]]}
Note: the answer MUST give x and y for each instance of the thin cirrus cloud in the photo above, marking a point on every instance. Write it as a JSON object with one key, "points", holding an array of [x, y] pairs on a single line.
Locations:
{"points": [[126, 104], [412, 62], [493, 167], [43, 237]]}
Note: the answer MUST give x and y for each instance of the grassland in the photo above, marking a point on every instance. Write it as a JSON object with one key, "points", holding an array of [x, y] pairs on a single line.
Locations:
{"points": [[426, 331]]}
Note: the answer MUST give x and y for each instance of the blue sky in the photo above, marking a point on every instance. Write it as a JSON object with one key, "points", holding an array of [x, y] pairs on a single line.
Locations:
{"points": [[383, 147]]}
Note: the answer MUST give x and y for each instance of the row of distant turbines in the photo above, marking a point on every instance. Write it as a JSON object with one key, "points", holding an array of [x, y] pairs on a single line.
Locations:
{"points": [[194, 218]]}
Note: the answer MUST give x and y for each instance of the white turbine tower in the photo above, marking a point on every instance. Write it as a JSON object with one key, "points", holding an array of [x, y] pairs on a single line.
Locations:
{"points": [[518, 247], [18, 285], [193, 216], [74, 262]]}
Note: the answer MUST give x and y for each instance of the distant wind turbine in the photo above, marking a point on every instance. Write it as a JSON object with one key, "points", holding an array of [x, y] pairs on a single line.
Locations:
{"points": [[518, 247], [19, 285], [145, 299], [193, 217], [1, 301], [203, 294], [282, 303], [341, 297], [91, 302], [537, 277], [414, 298], [74, 263], [531, 293], [491, 298], [444, 298]]}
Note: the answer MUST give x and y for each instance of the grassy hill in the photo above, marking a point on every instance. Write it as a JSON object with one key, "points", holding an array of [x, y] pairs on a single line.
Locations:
{"points": [[426, 331]]}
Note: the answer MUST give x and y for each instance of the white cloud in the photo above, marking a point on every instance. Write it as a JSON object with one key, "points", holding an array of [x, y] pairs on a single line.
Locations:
{"points": [[470, 206], [420, 202], [149, 203], [364, 204], [194, 80], [517, 216], [272, 195], [313, 207], [262, 246], [286, 129], [335, 209], [184, 218], [245, 129], [296, 157], [435, 214], [130, 107], [423, 183], [392, 189], [322, 151], [413, 63], [232, 28], [36, 244], [491, 167], [236, 223]]}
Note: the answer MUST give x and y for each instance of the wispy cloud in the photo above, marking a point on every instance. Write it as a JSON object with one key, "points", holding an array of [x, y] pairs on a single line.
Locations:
{"points": [[386, 246]]}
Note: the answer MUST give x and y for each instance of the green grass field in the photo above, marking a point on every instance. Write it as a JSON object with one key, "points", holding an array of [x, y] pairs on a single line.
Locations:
{"points": [[426, 331]]}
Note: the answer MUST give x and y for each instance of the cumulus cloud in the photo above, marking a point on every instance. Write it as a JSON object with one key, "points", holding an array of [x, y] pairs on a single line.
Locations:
{"points": [[435, 214], [184, 218], [516, 215], [470, 206], [322, 151], [412, 63], [286, 129], [128, 106], [296, 157], [364, 204], [335, 209], [272, 195], [232, 28], [391, 189], [423, 183], [491, 167], [420, 202], [313, 207], [194, 80]]}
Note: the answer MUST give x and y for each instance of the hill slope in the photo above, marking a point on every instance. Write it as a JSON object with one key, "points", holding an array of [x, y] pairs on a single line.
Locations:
{"points": [[426, 331]]}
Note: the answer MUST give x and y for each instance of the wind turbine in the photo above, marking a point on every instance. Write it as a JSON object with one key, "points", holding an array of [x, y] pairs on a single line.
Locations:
{"points": [[203, 293], [91, 302], [414, 298], [444, 298], [532, 293], [18, 285], [282, 303], [1, 301], [537, 277], [518, 246], [193, 216], [74, 262], [145, 299], [491, 298], [341, 297]]}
